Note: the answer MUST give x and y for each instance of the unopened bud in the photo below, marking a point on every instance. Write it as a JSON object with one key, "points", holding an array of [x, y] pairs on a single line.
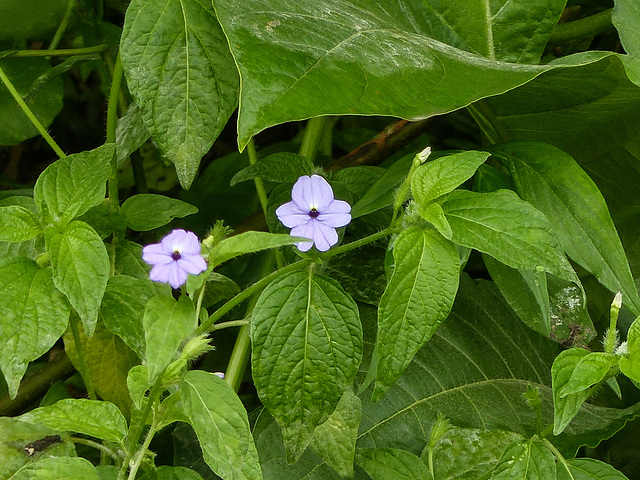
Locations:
{"points": [[617, 301], [422, 157]]}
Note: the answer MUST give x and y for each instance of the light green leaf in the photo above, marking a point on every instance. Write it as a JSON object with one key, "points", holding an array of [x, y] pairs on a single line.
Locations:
{"points": [[278, 167], [131, 133], [591, 369], [72, 185], [80, 268], [335, 440], [434, 214], [220, 420], [46, 104], [96, 418], [171, 411], [122, 309], [248, 242], [108, 361], [18, 224], [167, 323], [391, 464], [138, 384], [146, 211], [531, 460], [181, 73], [442, 175], [555, 184], [302, 371], [589, 469], [565, 408], [33, 315], [507, 228], [625, 17], [630, 363], [69, 468], [418, 298]]}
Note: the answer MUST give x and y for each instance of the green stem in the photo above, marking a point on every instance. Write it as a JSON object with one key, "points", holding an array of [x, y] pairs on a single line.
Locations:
{"points": [[64, 52], [239, 359], [230, 324], [27, 111], [559, 456], [357, 244], [312, 137], [145, 446], [582, 29], [207, 325], [486, 119], [84, 371], [63, 25], [98, 446]]}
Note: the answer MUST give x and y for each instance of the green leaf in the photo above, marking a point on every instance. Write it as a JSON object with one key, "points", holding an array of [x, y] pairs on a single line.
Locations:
{"points": [[220, 420], [441, 176], [138, 384], [248, 242], [166, 472], [434, 214], [555, 184], [180, 71], [335, 440], [23, 20], [131, 133], [72, 185], [630, 363], [391, 464], [418, 298], [69, 468], [278, 167], [490, 179], [108, 361], [18, 224], [565, 408], [218, 288], [146, 211], [507, 228], [302, 372], [96, 418], [15, 127], [33, 315], [129, 262], [122, 309], [591, 369], [625, 17], [531, 460], [167, 323], [80, 268], [589, 469]]}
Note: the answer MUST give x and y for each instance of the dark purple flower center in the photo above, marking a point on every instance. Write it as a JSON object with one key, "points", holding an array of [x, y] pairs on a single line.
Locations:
{"points": [[314, 213], [176, 255]]}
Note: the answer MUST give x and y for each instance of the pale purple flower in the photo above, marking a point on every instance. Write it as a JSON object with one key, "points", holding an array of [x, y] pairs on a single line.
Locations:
{"points": [[313, 213], [177, 255]]}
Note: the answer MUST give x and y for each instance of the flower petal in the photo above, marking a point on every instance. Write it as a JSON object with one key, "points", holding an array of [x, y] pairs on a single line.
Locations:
{"points": [[193, 264], [291, 216], [336, 214], [181, 241], [312, 192], [177, 276], [307, 231], [154, 254], [160, 273], [325, 237]]}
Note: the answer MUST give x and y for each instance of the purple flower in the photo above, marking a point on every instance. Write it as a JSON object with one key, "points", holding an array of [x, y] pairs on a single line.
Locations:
{"points": [[314, 213], [177, 255]]}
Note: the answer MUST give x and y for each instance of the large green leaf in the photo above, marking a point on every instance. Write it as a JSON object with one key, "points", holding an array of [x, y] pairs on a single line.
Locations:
{"points": [[145, 212], [69, 468], [80, 268], [74, 184], [220, 420], [306, 347], [417, 299], [33, 315], [179, 70], [91, 417], [555, 184], [46, 104], [391, 464], [589, 469], [507, 228], [18, 224]]}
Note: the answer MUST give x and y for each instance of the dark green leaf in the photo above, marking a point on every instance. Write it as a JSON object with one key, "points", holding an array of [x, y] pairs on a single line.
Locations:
{"points": [[418, 298], [306, 348], [589, 469], [180, 71], [391, 464], [147, 211], [130, 133], [278, 167]]}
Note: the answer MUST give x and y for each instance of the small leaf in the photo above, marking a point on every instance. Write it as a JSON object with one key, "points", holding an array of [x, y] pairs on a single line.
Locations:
{"points": [[565, 408], [591, 369], [72, 185], [96, 418], [531, 460], [248, 242], [418, 298], [630, 363], [391, 464], [335, 440], [80, 268], [279, 167], [167, 324], [220, 420], [179, 69], [507, 228], [33, 315], [589, 469], [18, 224], [302, 371], [69, 468], [439, 177], [146, 211], [433, 213], [138, 384]]}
